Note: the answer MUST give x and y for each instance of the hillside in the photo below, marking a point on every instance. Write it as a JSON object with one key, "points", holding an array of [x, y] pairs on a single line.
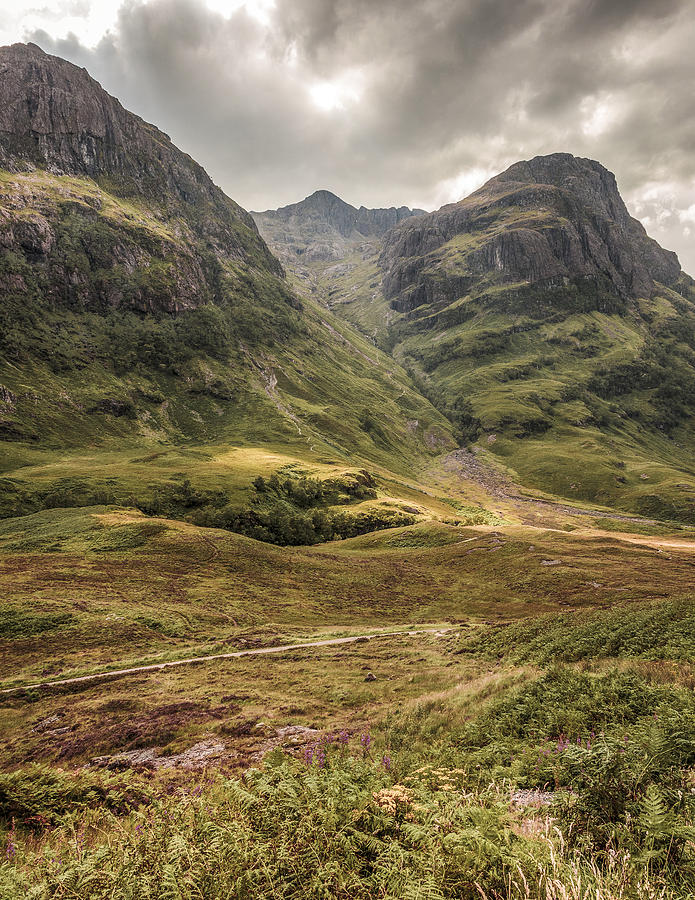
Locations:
{"points": [[553, 332], [141, 310]]}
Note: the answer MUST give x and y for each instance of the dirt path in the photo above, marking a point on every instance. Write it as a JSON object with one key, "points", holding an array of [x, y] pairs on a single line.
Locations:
{"points": [[653, 542], [158, 667]]}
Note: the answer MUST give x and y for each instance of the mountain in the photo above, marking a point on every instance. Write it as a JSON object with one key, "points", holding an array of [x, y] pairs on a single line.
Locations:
{"points": [[324, 227], [56, 119], [552, 221], [554, 333], [534, 321], [140, 305]]}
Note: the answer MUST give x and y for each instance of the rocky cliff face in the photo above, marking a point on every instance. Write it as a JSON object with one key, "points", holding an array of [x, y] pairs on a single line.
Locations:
{"points": [[324, 227], [548, 221], [89, 189]]}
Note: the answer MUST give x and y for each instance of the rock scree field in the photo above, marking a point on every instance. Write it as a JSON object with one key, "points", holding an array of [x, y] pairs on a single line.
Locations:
{"points": [[344, 553]]}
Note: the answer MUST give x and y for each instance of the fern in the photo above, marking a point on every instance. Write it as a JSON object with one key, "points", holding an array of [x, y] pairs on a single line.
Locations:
{"points": [[654, 813]]}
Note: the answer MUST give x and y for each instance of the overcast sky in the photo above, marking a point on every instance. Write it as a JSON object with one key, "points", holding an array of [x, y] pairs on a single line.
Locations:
{"points": [[390, 102]]}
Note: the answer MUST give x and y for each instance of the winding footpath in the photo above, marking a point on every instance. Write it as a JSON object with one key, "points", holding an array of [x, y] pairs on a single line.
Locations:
{"points": [[158, 667]]}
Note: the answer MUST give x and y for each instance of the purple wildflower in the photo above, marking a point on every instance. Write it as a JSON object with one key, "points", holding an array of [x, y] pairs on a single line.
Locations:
{"points": [[11, 848]]}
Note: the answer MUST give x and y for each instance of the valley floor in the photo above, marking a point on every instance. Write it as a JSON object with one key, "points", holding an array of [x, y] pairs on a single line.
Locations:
{"points": [[506, 706]]}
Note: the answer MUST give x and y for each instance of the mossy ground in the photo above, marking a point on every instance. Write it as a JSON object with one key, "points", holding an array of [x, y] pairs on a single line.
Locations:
{"points": [[446, 759], [101, 588]]}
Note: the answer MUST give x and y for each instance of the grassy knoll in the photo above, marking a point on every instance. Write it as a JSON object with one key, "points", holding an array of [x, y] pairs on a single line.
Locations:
{"points": [[104, 587]]}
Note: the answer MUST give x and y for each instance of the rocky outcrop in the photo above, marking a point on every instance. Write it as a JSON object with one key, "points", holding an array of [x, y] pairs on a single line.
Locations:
{"points": [[549, 220], [139, 224], [324, 227]]}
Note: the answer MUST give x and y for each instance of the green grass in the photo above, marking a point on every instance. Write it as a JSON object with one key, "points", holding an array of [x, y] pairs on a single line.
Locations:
{"points": [[114, 365], [664, 630], [394, 809], [456, 719]]}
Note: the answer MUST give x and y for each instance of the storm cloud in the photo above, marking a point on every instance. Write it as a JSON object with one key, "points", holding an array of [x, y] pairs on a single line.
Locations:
{"points": [[411, 101]]}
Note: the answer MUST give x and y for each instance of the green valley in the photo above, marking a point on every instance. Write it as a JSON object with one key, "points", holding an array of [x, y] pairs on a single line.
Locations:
{"points": [[354, 564]]}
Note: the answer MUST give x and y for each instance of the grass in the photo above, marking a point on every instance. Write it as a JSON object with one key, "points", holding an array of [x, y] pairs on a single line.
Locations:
{"points": [[116, 571], [409, 783], [419, 741], [80, 377], [92, 589]]}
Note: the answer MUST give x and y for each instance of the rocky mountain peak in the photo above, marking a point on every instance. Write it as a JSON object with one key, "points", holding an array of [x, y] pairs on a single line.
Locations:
{"points": [[550, 220], [56, 118], [586, 180], [54, 115], [138, 224], [322, 226], [322, 207]]}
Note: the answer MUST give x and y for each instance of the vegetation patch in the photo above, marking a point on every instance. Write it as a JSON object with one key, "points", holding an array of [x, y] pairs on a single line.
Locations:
{"points": [[664, 630], [23, 622]]}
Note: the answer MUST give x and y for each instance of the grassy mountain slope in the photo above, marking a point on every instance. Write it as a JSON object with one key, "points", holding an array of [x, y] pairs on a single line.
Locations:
{"points": [[141, 311]]}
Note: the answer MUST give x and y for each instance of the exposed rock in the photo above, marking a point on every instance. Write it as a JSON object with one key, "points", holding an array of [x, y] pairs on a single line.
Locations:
{"points": [[152, 254], [7, 396], [290, 737], [370, 676], [523, 797], [51, 722], [550, 220], [324, 227], [296, 733], [196, 757], [54, 115]]}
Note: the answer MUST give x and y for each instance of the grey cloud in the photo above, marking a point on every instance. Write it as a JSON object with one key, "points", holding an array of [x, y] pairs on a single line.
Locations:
{"points": [[446, 86]]}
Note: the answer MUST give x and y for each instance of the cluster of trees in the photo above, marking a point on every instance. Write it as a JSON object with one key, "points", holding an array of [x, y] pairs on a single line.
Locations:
{"points": [[458, 409], [282, 511], [308, 492], [276, 525], [665, 372], [287, 511]]}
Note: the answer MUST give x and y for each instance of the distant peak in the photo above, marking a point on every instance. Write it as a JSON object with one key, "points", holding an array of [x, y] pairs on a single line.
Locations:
{"points": [[323, 194]]}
